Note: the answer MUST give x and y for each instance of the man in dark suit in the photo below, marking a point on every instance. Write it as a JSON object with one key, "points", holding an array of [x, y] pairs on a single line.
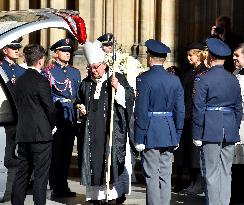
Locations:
{"points": [[36, 118], [217, 114], [159, 119]]}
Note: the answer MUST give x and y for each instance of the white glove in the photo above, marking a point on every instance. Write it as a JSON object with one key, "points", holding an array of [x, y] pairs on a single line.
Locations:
{"points": [[54, 130], [198, 143], [238, 143], [81, 109], [175, 148], [140, 147]]}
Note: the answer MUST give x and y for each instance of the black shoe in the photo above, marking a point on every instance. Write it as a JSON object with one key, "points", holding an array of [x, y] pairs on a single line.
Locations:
{"points": [[121, 199], [64, 194], [30, 184], [97, 202], [177, 189]]}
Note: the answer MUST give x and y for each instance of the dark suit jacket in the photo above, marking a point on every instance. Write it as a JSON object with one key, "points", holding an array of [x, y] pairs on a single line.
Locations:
{"points": [[36, 111]]}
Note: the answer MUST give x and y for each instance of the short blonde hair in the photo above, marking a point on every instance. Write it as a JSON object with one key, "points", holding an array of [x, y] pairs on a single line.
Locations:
{"points": [[199, 53]]}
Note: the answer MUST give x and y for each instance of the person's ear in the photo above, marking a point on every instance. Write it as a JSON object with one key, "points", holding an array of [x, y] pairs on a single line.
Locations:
{"points": [[5, 50], [55, 54]]}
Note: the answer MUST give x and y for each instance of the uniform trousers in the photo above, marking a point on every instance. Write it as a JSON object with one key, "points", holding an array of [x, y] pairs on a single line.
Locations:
{"points": [[216, 162], [63, 141], [37, 155], [157, 165], [9, 159]]}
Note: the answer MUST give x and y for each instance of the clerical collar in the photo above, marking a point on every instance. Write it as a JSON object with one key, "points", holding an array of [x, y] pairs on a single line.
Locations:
{"points": [[100, 80], [34, 68]]}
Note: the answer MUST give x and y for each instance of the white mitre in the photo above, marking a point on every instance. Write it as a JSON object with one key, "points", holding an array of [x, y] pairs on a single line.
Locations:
{"points": [[93, 52]]}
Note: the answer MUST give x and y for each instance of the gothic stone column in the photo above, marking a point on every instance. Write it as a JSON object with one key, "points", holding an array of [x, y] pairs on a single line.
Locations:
{"points": [[146, 26], [57, 34], [168, 29]]}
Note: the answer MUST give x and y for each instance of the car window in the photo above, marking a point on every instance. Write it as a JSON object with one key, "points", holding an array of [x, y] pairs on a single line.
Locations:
{"points": [[14, 24]]}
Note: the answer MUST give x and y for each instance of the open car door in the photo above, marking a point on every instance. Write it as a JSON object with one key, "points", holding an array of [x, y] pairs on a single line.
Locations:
{"points": [[15, 24]]}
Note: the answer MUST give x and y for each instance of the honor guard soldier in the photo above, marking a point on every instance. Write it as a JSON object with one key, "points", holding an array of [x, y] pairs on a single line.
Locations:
{"points": [[159, 119], [217, 114], [13, 71], [64, 80], [107, 42], [9, 65]]}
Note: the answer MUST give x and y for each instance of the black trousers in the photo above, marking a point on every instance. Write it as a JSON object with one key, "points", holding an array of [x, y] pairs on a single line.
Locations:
{"points": [[9, 158], [61, 158], [38, 156]]}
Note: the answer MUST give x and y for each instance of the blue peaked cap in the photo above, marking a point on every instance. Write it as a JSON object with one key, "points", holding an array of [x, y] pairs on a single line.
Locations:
{"points": [[106, 39], [218, 48], [15, 44], [157, 48], [65, 44]]}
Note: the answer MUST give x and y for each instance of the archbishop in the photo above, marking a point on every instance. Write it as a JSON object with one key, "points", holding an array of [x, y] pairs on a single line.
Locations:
{"points": [[95, 95]]}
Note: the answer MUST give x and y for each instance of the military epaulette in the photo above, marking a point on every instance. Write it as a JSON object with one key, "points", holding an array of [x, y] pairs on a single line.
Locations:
{"points": [[202, 73], [138, 79], [143, 73], [197, 78]]}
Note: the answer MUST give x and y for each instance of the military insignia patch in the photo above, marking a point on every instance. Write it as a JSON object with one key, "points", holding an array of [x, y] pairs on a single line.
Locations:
{"points": [[13, 79], [197, 79], [137, 93], [67, 41], [203, 72]]}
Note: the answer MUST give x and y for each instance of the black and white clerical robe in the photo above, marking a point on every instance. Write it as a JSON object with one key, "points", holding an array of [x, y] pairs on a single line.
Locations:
{"points": [[95, 94]]}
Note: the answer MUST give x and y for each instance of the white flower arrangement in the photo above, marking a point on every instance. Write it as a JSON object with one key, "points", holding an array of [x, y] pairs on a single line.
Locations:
{"points": [[124, 62]]}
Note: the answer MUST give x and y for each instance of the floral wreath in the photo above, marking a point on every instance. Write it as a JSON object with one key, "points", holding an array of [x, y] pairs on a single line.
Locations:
{"points": [[123, 62]]}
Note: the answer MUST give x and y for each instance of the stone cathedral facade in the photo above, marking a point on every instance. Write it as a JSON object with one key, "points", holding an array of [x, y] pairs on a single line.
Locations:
{"points": [[174, 22]]}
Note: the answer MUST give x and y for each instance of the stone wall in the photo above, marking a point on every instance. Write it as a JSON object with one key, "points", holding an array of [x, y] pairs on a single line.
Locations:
{"points": [[174, 22]]}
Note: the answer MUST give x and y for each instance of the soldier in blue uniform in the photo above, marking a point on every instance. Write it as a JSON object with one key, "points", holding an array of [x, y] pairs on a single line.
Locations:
{"points": [[217, 114], [13, 71], [107, 42], [9, 65], [159, 119], [65, 81]]}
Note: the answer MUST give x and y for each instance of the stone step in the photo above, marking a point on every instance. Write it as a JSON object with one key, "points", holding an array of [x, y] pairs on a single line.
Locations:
{"points": [[75, 172]]}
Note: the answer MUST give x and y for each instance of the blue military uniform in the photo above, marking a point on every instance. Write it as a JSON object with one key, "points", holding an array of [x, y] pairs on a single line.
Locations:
{"points": [[65, 81], [159, 119], [159, 110], [13, 71], [217, 115]]}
